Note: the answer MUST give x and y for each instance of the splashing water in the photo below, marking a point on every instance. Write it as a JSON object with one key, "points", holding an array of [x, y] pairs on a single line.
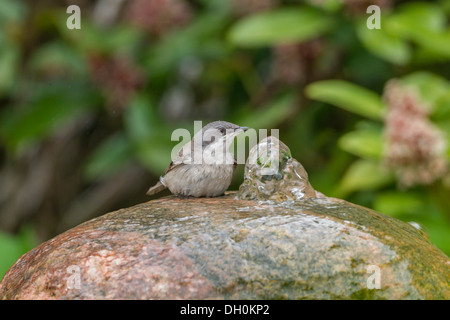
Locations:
{"points": [[272, 174]]}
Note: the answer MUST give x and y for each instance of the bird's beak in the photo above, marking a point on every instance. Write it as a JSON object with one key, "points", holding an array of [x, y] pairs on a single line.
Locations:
{"points": [[230, 137]]}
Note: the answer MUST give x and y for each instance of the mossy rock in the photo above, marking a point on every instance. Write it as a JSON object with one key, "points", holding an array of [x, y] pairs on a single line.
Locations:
{"points": [[224, 248]]}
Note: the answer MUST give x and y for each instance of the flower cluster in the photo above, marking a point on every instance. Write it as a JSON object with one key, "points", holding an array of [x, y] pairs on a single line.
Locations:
{"points": [[246, 7], [118, 77], [415, 147], [158, 16], [293, 63]]}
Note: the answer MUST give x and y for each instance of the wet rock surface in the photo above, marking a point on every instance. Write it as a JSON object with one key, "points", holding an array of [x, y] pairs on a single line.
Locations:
{"points": [[226, 248]]}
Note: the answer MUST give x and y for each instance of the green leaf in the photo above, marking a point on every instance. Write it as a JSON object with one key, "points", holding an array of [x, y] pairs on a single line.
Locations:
{"points": [[51, 106], [430, 86], [422, 23], [93, 39], [404, 22], [444, 125], [445, 5], [13, 246], [438, 233], [108, 158], [57, 56], [10, 251], [275, 112], [441, 110], [11, 11], [279, 26], [384, 45], [140, 119], [347, 96], [364, 175], [397, 204], [328, 5], [200, 39], [424, 57], [437, 43], [363, 143], [150, 139], [9, 64]]}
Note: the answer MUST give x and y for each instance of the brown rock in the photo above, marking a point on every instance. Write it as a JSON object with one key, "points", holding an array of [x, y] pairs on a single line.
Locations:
{"points": [[224, 248]]}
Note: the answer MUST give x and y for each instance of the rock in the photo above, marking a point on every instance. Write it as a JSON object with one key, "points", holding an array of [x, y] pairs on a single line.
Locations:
{"points": [[226, 248]]}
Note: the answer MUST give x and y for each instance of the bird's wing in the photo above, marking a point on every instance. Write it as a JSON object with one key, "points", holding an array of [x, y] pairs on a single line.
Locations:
{"points": [[183, 157], [172, 166]]}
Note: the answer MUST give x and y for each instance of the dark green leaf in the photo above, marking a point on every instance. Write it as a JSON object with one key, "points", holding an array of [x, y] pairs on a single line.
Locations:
{"points": [[396, 204], [364, 175], [280, 26], [272, 114], [348, 96], [441, 110], [151, 141], [363, 143], [108, 158], [9, 64], [423, 23], [97, 40], [413, 17], [384, 45], [13, 246], [201, 40], [50, 107], [11, 11], [57, 56], [430, 86]]}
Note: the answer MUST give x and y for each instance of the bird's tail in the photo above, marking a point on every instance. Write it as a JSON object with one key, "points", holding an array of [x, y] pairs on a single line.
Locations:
{"points": [[156, 188]]}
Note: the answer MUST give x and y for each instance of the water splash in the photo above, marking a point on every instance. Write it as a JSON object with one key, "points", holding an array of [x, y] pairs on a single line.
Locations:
{"points": [[421, 228], [272, 174]]}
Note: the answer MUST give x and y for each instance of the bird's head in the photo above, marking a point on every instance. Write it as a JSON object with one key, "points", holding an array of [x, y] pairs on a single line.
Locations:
{"points": [[220, 131]]}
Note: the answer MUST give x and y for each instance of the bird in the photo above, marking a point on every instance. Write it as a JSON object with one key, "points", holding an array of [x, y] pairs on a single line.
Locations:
{"points": [[204, 166]]}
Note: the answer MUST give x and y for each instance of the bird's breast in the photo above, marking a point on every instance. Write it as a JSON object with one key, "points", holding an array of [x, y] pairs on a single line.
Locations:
{"points": [[199, 180]]}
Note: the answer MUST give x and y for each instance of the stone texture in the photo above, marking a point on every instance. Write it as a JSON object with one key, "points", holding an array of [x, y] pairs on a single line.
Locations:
{"points": [[226, 248]]}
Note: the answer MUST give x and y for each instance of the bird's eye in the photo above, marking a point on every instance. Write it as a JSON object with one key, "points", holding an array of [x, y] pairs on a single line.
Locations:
{"points": [[222, 130]]}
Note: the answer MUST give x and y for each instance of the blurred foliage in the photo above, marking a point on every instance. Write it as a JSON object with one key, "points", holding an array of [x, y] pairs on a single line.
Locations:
{"points": [[12, 247], [86, 115]]}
